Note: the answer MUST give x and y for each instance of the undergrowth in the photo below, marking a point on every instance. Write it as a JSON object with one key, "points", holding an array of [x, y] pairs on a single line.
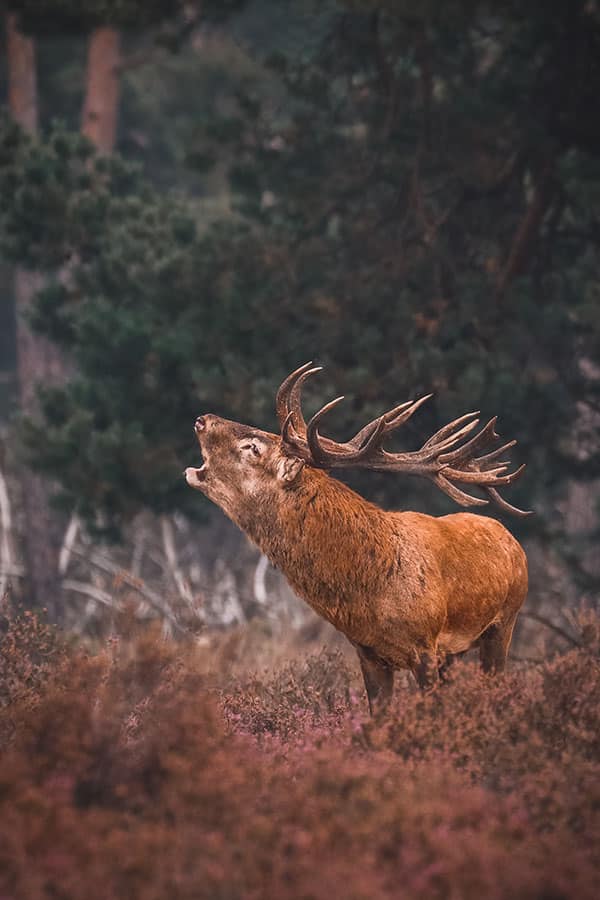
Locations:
{"points": [[133, 772]]}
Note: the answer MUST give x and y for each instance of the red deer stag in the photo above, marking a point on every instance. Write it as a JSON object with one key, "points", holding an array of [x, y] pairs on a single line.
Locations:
{"points": [[408, 590]]}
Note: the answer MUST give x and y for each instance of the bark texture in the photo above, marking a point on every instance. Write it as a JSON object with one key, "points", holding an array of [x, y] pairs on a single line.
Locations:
{"points": [[38, 361], [101, 105], [22, 90], [528, 230]]}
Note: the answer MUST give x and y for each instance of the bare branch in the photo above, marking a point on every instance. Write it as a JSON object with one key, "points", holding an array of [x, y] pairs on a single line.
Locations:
{"points": [[68, 543], [260, 590], [181, 583], [153, 599], [552, 627], [90, 590], [6, 555], [528, 230]]}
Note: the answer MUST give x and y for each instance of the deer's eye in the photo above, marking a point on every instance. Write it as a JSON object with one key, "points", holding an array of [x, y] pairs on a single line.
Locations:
{"points": [[253, 447]]}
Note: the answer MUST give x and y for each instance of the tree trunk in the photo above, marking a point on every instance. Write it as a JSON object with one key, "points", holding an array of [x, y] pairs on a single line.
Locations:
{"points": [[101, 105], [528, 230], [22, 92], [38, 361]]}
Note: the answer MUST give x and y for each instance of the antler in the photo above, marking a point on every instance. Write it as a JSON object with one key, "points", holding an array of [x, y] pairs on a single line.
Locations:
{"points": [[443, 458]]}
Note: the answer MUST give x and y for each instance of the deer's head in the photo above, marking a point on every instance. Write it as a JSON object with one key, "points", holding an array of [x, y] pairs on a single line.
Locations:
{"points": [[244, 465]]}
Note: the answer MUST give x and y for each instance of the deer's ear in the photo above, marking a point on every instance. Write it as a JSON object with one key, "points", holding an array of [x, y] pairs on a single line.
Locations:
{"points": [[288, 468]]}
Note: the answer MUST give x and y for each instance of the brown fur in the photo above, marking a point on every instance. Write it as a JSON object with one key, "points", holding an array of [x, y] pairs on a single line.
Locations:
{"points": [[407, 589]]}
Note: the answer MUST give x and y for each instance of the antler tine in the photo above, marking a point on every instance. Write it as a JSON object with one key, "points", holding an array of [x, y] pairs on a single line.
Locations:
{"points": [[366, 441], [282, 400], [320, 455], [465, 451], [446, 430], [288, 434], [476, 476], [333, 454], [295, 400], [442, 445], [444, 467], [365, 433], [303, 437], [391, 414], [445, 457], [460, 497], [508, 507], [461, 465], [401, 414], [495, 454], [392, 420]]}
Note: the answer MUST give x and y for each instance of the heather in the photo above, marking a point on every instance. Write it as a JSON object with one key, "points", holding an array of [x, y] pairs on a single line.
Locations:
{"points": [[142, 767]]}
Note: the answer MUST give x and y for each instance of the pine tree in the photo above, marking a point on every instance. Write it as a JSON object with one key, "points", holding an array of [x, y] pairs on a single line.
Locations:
{"points": [[38, 359]]}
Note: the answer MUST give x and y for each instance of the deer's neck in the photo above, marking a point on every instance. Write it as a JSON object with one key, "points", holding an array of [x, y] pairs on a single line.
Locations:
{"points": [[334, 547]]}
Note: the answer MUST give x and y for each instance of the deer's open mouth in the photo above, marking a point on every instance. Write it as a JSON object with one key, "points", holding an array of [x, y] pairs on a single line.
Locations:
{"points": [[196, 477]]}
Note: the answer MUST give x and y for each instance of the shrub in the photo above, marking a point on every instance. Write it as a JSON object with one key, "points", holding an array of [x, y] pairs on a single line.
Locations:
{"points": [[29, 650], [132, 775]]}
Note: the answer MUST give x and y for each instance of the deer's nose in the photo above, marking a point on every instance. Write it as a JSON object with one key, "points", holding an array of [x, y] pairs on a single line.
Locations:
{"points": [[200, 424]]}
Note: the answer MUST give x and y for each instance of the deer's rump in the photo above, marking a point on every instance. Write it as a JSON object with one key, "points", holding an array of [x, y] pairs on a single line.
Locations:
{"points": [[456, 576]]}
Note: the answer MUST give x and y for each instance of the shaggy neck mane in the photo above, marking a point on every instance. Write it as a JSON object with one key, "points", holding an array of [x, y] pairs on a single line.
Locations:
{"points": [[324, 537]]}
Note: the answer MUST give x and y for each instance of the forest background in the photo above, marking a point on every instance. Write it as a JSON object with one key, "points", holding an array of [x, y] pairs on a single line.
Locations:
{"points": [[195, 198]]}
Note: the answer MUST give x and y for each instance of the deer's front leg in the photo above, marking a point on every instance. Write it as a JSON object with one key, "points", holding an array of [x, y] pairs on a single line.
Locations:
{"points": [[426, 671], [379, 679]]}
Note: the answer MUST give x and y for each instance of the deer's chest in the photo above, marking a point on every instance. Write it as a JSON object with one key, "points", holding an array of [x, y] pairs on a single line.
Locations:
{"points": [[347, 611]]}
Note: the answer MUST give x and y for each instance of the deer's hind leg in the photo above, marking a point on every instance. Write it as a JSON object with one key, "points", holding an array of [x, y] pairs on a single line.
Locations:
{"points": [[426, 670], [494, 644], [446, 664], [495, 641]]}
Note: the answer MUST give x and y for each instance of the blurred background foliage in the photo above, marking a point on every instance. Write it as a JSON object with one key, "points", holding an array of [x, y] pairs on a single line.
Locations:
{"points": [[408, 194]]}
